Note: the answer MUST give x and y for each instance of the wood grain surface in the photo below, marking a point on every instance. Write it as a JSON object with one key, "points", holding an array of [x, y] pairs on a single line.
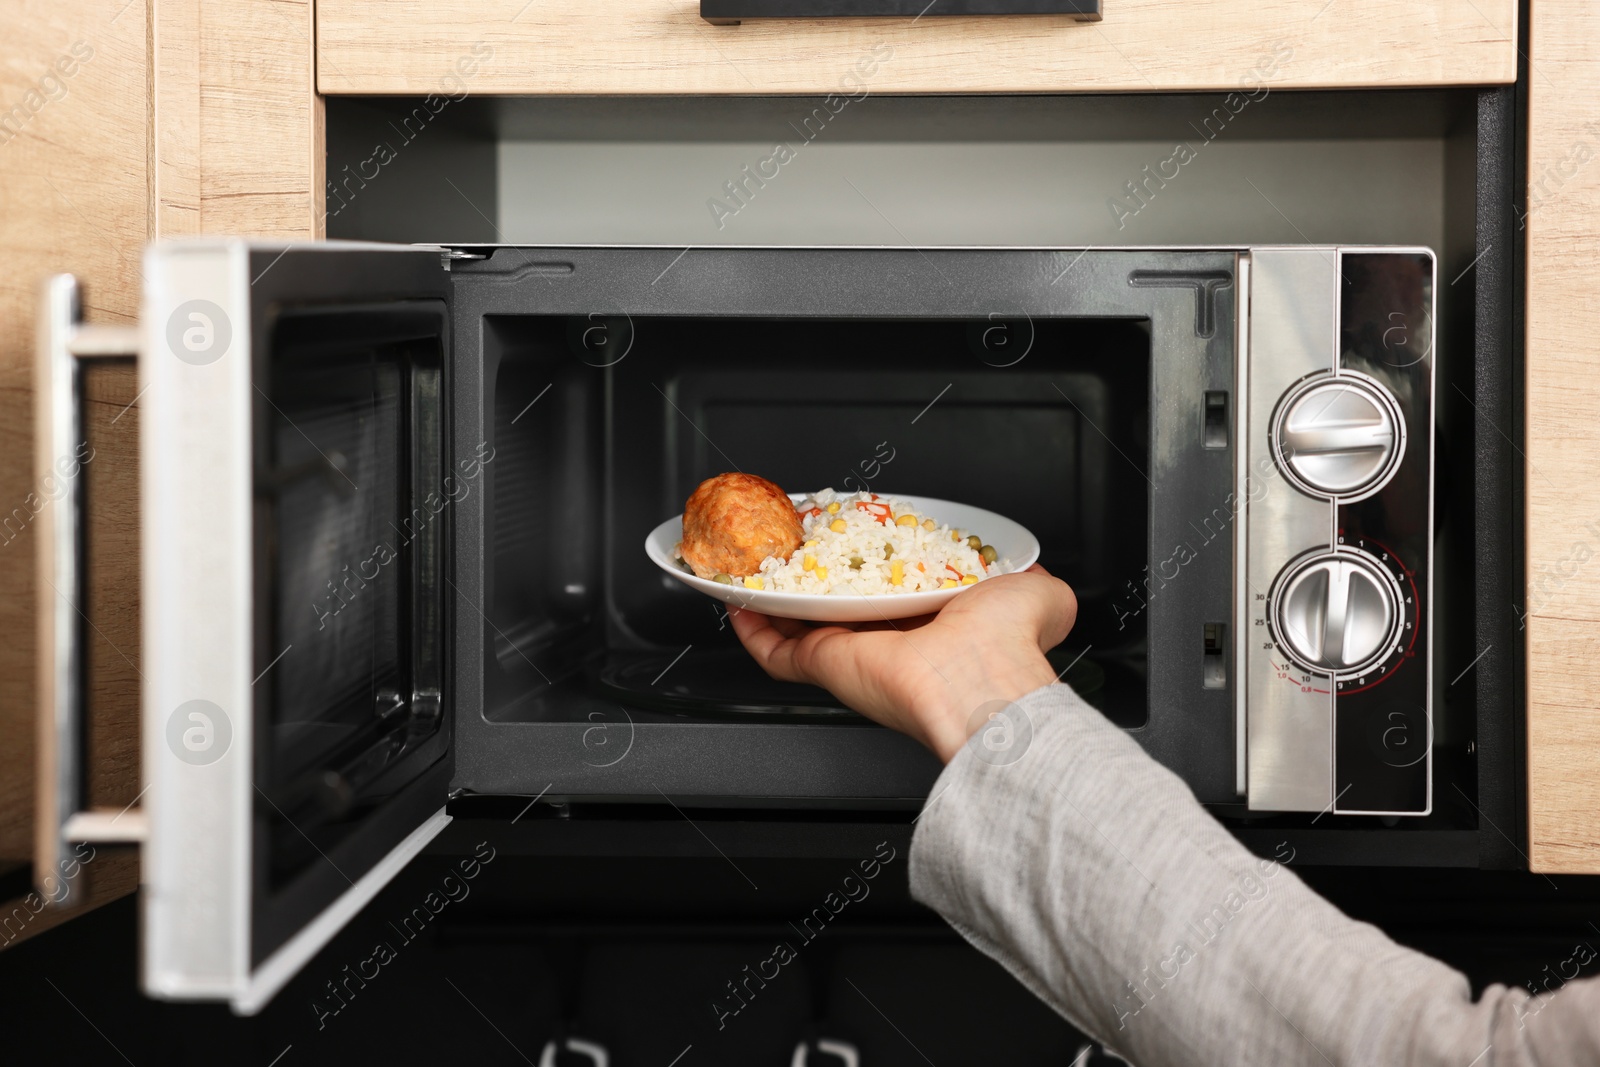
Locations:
{"points": [[73, 189], [663, 46], [186, 116], [1563, 438], [237, 145]]}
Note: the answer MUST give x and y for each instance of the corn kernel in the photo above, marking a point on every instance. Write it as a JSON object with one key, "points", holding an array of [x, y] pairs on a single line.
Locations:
{"points": [[906, 520], [811, 544], [897, 572], [948, 583], [928, 524], [833, 508], [809, 563], [753, 582], [969, 579], [955, 535], [822, 573], [837, 526]]}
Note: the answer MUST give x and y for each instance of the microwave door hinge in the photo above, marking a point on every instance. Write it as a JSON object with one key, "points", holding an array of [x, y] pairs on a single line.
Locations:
{"points": [[450, 255], [446, 254]]}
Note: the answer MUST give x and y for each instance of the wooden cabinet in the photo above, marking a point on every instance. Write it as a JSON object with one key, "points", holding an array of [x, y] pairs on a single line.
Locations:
{"points": [[72, 197], [1562, 609], [664, 47], [236, 136], [120, 123]]}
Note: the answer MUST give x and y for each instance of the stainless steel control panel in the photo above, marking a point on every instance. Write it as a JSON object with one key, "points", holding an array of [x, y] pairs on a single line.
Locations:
{"points": [[1336, 469]]}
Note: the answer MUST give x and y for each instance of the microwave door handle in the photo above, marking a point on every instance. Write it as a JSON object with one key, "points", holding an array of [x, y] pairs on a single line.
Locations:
{"points": [[63, 342]]}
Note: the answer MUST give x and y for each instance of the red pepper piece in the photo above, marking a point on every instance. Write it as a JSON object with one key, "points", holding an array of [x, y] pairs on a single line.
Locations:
{"points": [[881, 512]]}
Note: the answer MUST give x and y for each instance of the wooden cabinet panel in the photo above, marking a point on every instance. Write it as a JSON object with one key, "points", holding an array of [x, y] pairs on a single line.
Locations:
{"points": [[121, 122], [663, 46], [73, 190], [1563, 745], [1563, 438], [238, 124]]}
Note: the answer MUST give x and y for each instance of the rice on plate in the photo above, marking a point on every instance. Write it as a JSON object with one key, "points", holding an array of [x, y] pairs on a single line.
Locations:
{"points": [[742, 541], [861, 543]]}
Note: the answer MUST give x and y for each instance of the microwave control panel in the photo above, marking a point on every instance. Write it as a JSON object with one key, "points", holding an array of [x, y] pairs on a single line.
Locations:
{"points": [[1333, 561]]}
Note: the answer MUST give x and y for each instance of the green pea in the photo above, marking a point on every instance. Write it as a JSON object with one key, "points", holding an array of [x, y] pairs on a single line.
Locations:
{"points": [[988, 553], [975, 542], [856, 562], [723, 578]]}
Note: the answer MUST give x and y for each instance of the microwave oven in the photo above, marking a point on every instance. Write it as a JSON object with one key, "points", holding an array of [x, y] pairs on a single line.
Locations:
{"points": [[393, 501]]}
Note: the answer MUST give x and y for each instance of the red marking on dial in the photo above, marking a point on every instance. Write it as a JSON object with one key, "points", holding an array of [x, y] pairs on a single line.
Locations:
{"points": [[1416, 609]]}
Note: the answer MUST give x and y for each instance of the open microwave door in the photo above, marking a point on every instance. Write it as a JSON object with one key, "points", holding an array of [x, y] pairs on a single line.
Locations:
{"points": [[296, 691], [297, 702]]}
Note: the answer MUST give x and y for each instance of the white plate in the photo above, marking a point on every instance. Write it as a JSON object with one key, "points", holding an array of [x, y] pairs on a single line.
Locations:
{"points": [[1015, 545]]}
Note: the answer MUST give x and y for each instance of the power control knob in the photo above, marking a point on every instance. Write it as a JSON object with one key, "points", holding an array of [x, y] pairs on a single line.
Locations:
{"points": [[1337, 613], [1338, 435]]}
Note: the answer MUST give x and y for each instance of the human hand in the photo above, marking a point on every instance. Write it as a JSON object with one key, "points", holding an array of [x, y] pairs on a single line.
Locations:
{"points": [[927, 676]]}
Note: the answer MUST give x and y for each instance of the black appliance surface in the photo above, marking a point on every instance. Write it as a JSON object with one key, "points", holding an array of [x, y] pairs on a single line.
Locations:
{"points": [[1381, 732], [733, 12], [353, 720]]}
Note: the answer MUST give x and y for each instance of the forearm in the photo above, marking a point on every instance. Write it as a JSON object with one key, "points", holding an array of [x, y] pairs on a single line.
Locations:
{"points": [[1094, 876]]}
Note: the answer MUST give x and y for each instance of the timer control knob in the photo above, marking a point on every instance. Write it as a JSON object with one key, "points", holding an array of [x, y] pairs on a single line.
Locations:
{"points": [[1337, 613], [1338, 435]]}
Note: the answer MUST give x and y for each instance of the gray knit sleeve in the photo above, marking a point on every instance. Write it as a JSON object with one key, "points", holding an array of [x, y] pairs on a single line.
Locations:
{"points": [[1091, 873]]}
